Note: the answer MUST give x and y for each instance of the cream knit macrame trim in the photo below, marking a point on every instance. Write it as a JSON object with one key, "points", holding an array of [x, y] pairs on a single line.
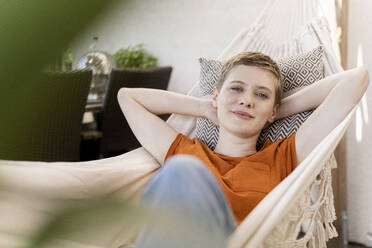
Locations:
{"points": [[309, 222]]}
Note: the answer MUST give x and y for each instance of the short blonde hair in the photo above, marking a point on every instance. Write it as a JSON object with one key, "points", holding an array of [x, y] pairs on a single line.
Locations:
{"points": [[254, 59]]}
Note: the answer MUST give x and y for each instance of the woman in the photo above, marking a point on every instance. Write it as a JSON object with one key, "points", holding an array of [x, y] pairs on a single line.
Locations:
{"points": [[215, 190]]}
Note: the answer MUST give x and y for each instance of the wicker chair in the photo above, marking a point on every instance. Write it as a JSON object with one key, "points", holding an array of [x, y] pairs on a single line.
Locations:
{"points": [[52, 121], [117, 136]]}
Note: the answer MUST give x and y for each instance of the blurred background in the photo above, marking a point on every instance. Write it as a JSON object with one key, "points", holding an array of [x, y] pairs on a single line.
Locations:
{"points": [[63, 63]]}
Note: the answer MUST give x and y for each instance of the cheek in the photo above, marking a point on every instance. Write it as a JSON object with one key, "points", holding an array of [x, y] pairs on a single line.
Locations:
{"points": [[266, 110], [226, 104], [269, 112], [227, 99], [223, 106]]}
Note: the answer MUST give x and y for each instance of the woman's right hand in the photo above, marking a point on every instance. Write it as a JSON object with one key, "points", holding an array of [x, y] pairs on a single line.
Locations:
{"points": [[210, 112]]}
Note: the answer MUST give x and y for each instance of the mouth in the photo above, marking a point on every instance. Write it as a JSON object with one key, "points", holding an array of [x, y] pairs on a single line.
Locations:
{"points": [[243, 115]]}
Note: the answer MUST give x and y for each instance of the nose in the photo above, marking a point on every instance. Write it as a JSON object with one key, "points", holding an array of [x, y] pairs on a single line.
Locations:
{"points": [[247, 100]]}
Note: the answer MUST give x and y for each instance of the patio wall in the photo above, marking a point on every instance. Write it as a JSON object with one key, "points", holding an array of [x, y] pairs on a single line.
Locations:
{"points": [[177, 32]]}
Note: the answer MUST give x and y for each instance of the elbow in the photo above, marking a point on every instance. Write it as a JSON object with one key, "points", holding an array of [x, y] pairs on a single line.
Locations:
{"points": [[122, 94], [359, 78], [363, 76], [366, 77]]}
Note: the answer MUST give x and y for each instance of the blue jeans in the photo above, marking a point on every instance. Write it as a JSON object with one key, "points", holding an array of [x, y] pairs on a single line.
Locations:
{"points": [[191, 210]]}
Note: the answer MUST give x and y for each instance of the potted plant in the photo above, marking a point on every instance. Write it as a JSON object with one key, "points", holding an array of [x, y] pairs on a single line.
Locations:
{"points": [[134, 56]]}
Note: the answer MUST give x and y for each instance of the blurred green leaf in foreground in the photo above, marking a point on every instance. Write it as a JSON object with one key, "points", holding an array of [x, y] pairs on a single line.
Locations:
{"points": [[80, 222], [33, 34]]}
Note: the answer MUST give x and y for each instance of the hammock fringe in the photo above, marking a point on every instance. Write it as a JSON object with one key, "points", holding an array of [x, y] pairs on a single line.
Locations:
{"points": [[309, 223]]}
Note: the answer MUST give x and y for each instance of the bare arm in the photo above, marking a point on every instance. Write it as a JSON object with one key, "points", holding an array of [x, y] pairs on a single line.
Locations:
{"points": [[333, 97], [312, 96], [141, 106]]}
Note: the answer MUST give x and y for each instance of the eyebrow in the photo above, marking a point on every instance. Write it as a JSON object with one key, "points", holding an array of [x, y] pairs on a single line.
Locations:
{"points": [[241, 82]]}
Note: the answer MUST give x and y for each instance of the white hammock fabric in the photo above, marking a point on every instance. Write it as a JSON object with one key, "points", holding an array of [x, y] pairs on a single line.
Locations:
{"points": [[275, 222]]}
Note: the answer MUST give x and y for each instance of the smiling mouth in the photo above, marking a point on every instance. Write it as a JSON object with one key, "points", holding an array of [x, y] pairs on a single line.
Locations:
{"points": [[243, 115]]}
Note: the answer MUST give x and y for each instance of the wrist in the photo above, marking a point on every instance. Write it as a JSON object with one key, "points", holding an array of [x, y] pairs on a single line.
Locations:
{"points": [[204, 106]]}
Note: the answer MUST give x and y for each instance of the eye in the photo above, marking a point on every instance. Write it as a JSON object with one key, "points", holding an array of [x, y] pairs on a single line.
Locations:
{"points": [[237, 89], [262, 95]]}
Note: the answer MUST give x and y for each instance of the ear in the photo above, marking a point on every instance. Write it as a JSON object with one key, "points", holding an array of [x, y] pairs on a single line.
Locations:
{"points": [[274, 114], [215, 95]]}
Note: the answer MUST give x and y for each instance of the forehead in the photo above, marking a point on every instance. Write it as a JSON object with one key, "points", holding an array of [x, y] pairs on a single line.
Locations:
{"points": [[251, 75]]}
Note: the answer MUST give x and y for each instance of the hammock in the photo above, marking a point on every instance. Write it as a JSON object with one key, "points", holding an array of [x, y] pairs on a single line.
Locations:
{"points": [[289, 216]]}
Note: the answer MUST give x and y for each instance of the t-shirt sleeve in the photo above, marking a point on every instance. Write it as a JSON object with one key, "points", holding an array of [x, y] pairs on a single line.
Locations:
{"points": [[287, 153], [180, 142]]}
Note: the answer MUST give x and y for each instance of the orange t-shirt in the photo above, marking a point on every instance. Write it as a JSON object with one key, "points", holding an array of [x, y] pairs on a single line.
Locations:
{"points": [[244, 180]]}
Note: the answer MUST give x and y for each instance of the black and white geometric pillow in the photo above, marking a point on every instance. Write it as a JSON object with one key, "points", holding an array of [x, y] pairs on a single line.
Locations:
{"points": [[298, 71], [210, 71]]}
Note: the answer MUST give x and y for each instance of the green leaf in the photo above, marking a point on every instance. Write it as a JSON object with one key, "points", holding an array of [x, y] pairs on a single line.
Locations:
{"points": [[134, 56], [87, 218]]}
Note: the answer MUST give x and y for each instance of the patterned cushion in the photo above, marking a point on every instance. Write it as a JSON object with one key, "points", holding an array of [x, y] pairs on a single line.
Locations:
{"points": [[298, 71], [210, 72]]}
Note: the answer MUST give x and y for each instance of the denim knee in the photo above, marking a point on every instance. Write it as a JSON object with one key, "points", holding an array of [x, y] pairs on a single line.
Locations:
{"points": [[178, 171]]}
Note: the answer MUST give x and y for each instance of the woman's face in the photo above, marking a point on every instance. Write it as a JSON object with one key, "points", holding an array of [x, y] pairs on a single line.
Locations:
{"points": [[245, 102]]}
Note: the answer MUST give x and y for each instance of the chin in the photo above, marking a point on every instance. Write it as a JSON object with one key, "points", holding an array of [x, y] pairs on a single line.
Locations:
{"points": [[244, 133], [236, 128]]}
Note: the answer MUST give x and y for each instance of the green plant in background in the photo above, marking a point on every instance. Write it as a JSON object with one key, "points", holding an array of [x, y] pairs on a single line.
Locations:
{"points": [[134, 56]]}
